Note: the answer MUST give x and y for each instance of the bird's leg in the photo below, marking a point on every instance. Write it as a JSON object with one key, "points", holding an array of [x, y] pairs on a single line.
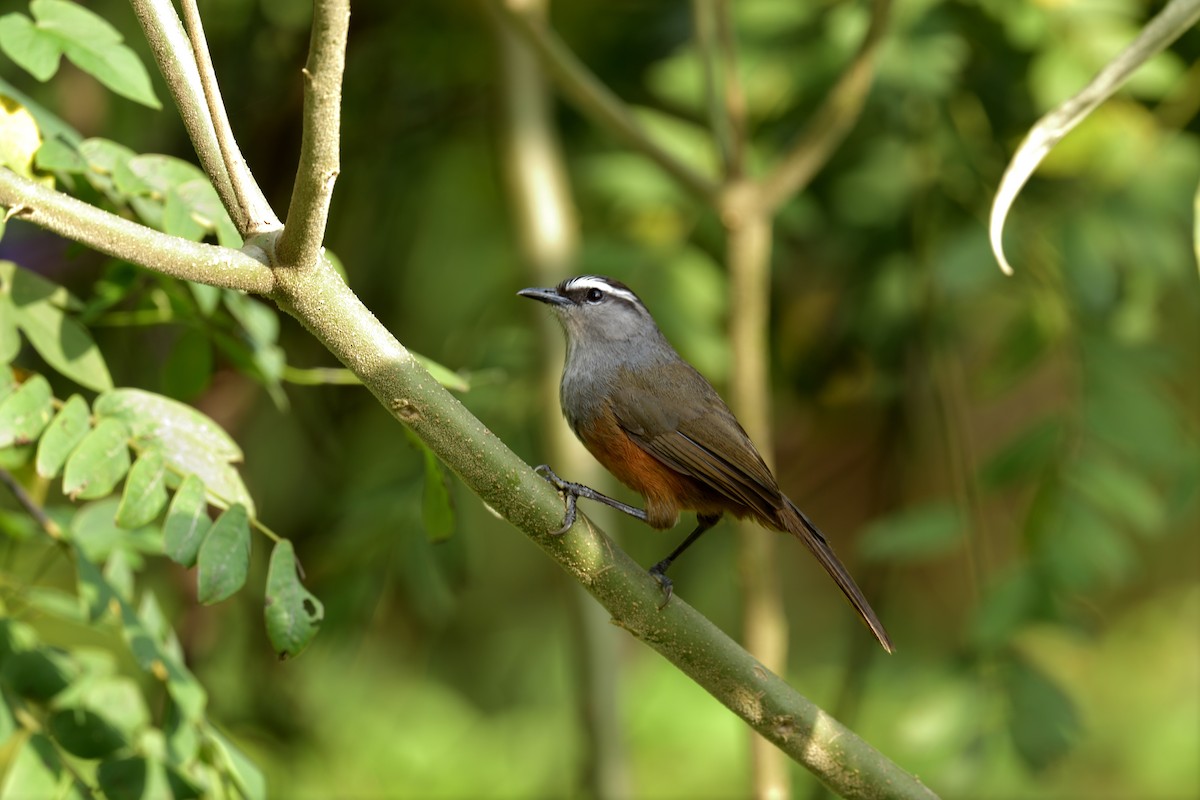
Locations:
{"points": [[571, 492], [659, 570]]}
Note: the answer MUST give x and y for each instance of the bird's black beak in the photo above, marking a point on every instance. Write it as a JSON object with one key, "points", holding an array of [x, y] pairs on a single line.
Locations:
{"points": [[550, 296]]}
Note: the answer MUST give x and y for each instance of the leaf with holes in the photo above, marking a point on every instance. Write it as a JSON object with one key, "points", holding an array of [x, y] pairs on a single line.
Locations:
{"points": [[145, 493], [62, 436], [25, 413], [293, 614], [189, 441], [187, 522], [224, 556], [99, 462]]}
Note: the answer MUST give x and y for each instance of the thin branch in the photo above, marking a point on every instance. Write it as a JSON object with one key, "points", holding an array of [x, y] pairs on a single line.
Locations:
{"points": [[254, 214], [734, 97], [119, 237], [596, 101], [300, 242], [832, 121], [704, 23], [26, 502], [173, 52]]}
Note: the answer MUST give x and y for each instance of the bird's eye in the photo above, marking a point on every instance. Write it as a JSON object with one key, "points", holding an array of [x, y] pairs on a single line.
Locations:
{"points": [[594, 296]]}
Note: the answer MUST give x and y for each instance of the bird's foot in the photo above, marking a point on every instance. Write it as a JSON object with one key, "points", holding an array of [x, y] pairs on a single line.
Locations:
{"points": [[569, 492], [659, 573]]}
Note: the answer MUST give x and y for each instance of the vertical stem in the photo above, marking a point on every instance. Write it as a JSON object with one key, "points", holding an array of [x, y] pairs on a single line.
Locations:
{"points": [[547, 229], [764, 626]]}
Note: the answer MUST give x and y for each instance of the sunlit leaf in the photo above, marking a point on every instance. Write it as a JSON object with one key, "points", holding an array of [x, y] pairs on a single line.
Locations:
{"points": [[94, 530], [224, 557], [91, 43], [1176, 18], [187, 522], [19, 134], [61, 437], [293, 614], [36, 770], [25, 413], [190, 441], [30, 48], [99, 462]]}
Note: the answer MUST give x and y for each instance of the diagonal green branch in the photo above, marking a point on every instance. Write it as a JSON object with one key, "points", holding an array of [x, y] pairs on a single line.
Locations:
{"points": [[119, 237], [176, 62], [832, 121], [300, 242], [595, 100]]}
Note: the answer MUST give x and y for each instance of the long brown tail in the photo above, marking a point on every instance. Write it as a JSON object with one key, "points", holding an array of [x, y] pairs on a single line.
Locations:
{"points": [[795, 523]]}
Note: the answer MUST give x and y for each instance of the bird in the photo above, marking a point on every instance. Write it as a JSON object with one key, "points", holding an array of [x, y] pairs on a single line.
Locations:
{"points": [[653, 421]]}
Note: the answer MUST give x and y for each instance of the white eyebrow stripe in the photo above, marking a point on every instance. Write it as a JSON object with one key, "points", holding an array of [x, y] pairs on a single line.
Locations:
{"points": [[589, 282]]}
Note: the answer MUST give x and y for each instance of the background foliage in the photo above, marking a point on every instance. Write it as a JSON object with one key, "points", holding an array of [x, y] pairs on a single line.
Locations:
{"points": [[1011, 463]]}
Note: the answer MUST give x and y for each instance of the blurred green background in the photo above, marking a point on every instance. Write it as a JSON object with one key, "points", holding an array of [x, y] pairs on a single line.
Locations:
{"points": [[1010, 465]]}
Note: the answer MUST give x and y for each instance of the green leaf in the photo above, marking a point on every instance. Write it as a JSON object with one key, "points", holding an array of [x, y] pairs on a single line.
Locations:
{"points": [[224, 556], [163, 173], [95, 47], [1043, 721], [94, 530], [187, 522], [60, 438], [99, 462], [437, 510], [178, 219], [1029, 454], [188, 369], [19, 139], [25, 413], [96, 595], [914, 534], [190, 442], [10, 337], [26, 287], [39, 674], [152, 656], [32, 49], [56, 155], [119, 574], [37, 771], [84, 733], [145, 493], [139, 778], [293, 614], [1120, 492], [64, 343], [249, 778]]}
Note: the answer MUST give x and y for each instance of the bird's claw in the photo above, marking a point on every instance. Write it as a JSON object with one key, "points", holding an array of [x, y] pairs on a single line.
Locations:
{"points": [[565, 489], [664, 583]]}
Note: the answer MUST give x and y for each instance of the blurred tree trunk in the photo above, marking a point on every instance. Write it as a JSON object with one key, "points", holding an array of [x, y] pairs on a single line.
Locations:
{"points": [[547, 228]]}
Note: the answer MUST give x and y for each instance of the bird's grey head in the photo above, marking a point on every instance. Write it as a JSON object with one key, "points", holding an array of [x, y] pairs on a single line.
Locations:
{"points": [[597, 310]]}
